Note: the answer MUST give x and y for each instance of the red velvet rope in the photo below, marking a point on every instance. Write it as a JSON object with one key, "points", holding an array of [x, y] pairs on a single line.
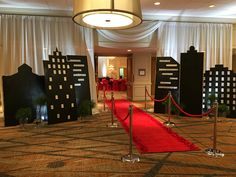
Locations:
{"points": [[162, 100], [125, 117], [188, 114], [114, 111]]}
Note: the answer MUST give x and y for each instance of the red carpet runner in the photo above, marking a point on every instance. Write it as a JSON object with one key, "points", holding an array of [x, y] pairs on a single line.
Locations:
{"points": [[149, 135]]}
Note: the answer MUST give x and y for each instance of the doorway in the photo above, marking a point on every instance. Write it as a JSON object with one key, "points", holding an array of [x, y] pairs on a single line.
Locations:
{"points": [[111, 75]]}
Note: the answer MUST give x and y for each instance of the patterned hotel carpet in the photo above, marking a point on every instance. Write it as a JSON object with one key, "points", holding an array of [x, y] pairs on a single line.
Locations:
{"points": [[88, 148]]}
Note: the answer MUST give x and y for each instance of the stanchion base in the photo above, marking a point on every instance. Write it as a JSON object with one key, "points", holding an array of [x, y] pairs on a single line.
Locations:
{"points": [[130, 158], [214, 152], [169, 124], [112, 125]]}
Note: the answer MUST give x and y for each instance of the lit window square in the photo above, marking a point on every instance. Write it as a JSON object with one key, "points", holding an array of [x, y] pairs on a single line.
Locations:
{"points": [[72, 105], [216, 84], [60, 87], [217, 73], [58, 60], [64, 66], [54, 71], [222, 79], [49, 66], [50, 79], [56, 97], [49, 87], [59, 66], [62, 106], [222, 73], [65, 78], [68, 117], [64, 71], [59, 71], [53, 60], [58, 116], [52, 107], [217, 79], [68, 66], [67, 96], [210, 79], [54, 66], [71, 86], [63, 60]]}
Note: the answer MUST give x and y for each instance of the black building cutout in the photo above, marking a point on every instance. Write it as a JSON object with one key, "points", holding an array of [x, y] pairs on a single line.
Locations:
{"points": [[191, 81], [81, 78], [221, 82], [167, 79], [60, 89], [19, 91]]}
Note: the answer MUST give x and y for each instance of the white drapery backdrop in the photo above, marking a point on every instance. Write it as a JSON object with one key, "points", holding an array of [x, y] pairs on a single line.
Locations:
{"points": [[30, 39], [215, 40], [173, 38]]}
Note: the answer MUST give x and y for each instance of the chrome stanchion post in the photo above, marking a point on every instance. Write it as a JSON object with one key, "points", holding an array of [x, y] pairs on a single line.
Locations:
{"points": [[130, 157], [112, 124], [145, 98], [169, 123], [214, 151]]}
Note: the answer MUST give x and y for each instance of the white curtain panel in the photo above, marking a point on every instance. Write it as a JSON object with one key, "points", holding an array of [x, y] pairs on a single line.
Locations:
{"points": [[30, 39], [131, 35], [140, 36], [215, 40]]}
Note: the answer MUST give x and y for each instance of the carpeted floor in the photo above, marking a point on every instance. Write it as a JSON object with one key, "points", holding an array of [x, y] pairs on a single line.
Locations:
{"points": [[87, 148]]}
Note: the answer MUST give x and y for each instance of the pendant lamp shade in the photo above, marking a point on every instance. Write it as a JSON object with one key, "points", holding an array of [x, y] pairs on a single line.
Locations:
{"points": [[107, 14]]}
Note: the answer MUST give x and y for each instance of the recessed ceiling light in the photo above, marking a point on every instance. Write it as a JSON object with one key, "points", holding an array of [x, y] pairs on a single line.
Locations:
{"points": [[129, 50], [211, 6], [157, 3]]}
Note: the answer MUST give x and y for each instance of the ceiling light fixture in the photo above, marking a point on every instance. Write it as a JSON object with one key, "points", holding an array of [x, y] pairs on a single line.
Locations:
{"points": [[107, 14], [211, 6], [157, 3]]}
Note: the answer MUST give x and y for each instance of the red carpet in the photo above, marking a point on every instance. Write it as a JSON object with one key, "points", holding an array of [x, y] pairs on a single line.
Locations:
{"points": [[149, 135]]}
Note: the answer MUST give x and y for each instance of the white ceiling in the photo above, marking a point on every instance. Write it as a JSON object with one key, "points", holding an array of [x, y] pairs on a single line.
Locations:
{"points": [[187, 10], [169, 10]]}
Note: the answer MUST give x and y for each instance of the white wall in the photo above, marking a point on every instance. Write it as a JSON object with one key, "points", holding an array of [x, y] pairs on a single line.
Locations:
{"points": [[141, 61]]}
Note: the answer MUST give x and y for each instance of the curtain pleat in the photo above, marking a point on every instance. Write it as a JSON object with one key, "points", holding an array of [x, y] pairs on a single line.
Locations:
{"points": [[215, 40], [30, 39]]}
